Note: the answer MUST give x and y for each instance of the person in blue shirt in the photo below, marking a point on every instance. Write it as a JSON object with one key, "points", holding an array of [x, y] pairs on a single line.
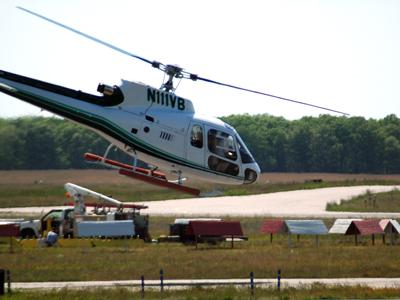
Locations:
{"points": [[51, 238]]}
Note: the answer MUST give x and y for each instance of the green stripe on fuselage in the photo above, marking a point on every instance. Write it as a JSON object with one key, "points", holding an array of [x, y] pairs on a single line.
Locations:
{"points": [[96, 121]]}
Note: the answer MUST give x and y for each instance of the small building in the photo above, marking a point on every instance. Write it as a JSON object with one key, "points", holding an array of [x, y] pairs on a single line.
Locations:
{"points": [[306, 227], [272, 227], [364, 227], [297, 227], [390, 225], [9, 229], [341, 225], [391, 228], [180, 228], [214, 231]]}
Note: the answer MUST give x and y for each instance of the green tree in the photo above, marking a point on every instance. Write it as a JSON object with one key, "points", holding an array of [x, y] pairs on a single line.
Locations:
{"points": [[392, 155]]}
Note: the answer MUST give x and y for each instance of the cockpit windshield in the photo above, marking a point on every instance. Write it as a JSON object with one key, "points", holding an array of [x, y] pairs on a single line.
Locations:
{"points": [[244, 152]]}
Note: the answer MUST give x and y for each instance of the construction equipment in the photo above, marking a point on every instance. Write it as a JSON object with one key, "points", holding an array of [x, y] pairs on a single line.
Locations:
{"points": [[108, 218]]}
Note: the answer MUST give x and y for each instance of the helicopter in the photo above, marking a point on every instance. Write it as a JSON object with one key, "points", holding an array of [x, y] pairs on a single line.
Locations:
{"points": [[150, 124]]}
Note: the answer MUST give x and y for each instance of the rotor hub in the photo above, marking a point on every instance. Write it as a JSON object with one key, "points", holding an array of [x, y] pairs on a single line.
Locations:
{"points": [[173, 71]]}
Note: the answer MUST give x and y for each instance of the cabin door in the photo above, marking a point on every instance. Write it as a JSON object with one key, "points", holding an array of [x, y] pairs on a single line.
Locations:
{"points": [[195, 144]]}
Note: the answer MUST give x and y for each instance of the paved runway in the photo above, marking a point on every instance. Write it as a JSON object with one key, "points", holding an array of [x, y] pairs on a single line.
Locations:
{"points": [[301, 204]]}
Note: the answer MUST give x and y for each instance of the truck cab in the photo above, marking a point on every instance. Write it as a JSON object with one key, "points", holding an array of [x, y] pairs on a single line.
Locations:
{"points": [[60, 219]]}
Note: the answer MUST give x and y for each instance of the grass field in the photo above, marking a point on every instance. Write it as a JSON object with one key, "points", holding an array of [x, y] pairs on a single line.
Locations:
{"points": [[314, 292], [336, 257], [207, 262], [369, 202], [44, 188]]}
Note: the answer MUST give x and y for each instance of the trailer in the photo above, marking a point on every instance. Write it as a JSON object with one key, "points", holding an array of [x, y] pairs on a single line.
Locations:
{"points": [[204, 230]]}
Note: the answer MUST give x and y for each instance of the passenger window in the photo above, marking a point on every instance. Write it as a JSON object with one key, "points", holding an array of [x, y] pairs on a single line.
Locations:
{"points": [[221, 144], [222, 166], [196, 138]]}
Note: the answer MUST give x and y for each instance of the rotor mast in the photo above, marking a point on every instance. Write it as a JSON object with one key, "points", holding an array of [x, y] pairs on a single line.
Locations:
{"points": [[172, 71]]}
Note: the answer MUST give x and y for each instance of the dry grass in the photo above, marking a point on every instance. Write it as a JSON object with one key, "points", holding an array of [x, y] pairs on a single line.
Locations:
{"points": [[179, 262], [43, 188], [337, 256], [111, 177], [369, 202]]}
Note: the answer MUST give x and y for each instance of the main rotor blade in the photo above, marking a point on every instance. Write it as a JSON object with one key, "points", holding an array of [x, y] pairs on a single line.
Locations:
{"points": [[163, 67], [86, 35], [195, 77]]}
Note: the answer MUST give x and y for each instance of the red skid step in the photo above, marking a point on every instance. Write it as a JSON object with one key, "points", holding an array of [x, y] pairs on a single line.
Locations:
{"points": [[155, 181], [149, 176], [97, 158]]}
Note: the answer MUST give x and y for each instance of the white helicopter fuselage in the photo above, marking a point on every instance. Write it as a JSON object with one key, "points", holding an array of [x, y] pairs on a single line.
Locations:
{"points": [[150, 124], [153, 125]]}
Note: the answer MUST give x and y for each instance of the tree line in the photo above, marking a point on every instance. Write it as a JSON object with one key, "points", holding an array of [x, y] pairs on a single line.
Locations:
{"points": [[310, 144]]}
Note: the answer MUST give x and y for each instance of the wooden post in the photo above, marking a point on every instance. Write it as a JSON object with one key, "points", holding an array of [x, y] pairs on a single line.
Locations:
{"points": [[126, 244], [142, 279], [11, 245], [252, 283], [279, 279], [373, 239], [162, 281], [8, 278], [232, 241], [2, 277], [271, 237], [289, 241], [298, 237], [317, 240]]}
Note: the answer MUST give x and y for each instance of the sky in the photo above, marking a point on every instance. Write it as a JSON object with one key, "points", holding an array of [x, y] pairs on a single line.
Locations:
{"points": [[341, 54]]}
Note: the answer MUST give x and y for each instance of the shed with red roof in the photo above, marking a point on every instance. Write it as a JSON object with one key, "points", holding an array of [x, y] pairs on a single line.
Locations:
{"points": [[273, 226], [364, 227], [9, 229], [214, 230]]}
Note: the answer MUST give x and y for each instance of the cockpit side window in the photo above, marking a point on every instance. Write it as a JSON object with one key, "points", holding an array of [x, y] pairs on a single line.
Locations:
{"points": [[221, 144], [196, 138], [244, 152]]}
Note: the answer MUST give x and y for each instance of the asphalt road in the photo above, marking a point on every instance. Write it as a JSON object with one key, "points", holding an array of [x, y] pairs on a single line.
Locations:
{"points": [[296, 204]]}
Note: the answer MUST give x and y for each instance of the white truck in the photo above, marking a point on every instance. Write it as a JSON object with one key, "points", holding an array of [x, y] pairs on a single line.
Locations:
{"points": [[108, 218]]}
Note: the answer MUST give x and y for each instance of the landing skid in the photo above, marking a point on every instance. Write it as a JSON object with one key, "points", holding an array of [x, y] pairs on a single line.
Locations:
{"points": [[149, 176]]}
